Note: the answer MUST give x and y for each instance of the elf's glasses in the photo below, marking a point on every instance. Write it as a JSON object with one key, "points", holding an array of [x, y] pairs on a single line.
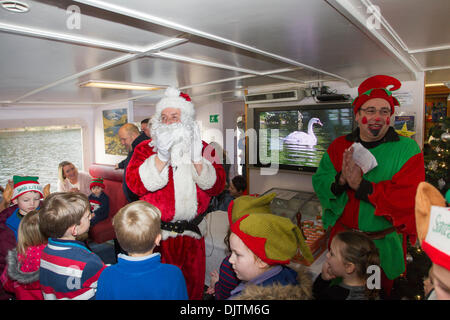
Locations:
{"points": [[370, 111]]}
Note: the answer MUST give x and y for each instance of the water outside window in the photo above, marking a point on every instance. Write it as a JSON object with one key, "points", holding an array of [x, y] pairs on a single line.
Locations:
{"points": [[37, 151]]}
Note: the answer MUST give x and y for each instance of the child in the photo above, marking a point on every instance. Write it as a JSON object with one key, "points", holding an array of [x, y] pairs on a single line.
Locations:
{"points": [[22, 271], [428, 287], [68, 269], [262, 245], [350, 255], [237, 186], [140, 275], [224, 281], [236, 189], [26, 197], [99, 201]]}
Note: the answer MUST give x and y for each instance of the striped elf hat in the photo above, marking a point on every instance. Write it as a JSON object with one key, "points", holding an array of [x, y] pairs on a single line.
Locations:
{"points": [[97, 182], [433, 224], [23, 185]]}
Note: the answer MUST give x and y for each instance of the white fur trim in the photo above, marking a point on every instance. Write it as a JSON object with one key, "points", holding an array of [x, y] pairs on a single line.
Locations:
{"points": [[185, 193], [22, 189], [150, 176], [438, 235], [172, 99], [207, 177]]}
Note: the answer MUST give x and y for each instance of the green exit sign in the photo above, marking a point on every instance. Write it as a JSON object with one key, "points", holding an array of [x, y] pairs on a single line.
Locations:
{"points": [[213, 118]]}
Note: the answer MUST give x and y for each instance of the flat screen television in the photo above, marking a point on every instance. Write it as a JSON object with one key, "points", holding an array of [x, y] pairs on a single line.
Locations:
{"points": [[295, 138]]}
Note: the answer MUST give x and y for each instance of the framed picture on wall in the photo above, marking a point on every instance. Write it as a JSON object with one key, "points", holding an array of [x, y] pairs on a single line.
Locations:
{"points": [[113, 119], [108, 120]]}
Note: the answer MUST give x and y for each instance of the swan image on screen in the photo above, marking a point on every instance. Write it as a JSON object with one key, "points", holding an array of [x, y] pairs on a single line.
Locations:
{"points": [[303, 135]]}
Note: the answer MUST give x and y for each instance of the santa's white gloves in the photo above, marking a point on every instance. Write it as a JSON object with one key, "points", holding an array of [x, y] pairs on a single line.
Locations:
{"points": [[197, 145], [163, 145]]}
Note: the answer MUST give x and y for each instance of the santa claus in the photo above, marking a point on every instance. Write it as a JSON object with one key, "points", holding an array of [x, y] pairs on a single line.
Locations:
{"points": [[174, 173]]}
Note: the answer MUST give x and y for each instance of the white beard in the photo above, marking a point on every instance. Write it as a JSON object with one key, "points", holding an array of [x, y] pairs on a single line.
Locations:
{"points": [[180, 160]]}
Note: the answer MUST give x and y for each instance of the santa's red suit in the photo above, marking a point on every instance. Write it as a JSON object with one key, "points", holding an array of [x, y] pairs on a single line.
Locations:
{"points": [[180, 195]]}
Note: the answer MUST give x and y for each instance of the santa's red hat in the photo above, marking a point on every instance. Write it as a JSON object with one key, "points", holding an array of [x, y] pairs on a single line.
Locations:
{"points": [[376, 87], [174, 98]]}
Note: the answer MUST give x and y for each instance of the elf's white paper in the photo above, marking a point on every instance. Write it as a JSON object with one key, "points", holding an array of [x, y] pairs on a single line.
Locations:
{"points": [[363, 158]]}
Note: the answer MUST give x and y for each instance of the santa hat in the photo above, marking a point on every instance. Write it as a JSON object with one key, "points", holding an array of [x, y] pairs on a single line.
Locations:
{"points": [[432, 222], [97, 182], [376, 87], [23, 185], [173, 98], [272, 238]]}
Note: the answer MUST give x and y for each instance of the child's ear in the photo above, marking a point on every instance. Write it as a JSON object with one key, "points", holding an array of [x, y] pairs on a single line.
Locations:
{"points": [[14, 201], [157, 240], [261, 264], [73, 230], [349, 267]]}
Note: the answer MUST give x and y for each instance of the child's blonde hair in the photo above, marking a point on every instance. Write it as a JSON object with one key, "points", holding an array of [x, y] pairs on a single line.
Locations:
{"points": [[362, 252], [28, 233], [61, 210], [137, 226]]}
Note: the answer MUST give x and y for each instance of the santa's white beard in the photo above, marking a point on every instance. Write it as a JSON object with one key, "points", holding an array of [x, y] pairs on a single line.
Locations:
{"points": [[181, 133], [180, 160]]}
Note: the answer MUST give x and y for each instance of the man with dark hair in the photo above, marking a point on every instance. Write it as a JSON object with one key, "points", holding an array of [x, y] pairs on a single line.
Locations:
{"points": [[146, 126]]}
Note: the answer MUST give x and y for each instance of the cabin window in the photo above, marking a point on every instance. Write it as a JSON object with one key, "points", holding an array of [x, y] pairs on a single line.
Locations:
{"points": [[37, 151], [240, 143]]}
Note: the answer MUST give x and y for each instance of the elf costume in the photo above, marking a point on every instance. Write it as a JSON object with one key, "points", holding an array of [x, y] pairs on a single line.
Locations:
{"points": [[383, 205], [181, 195]]}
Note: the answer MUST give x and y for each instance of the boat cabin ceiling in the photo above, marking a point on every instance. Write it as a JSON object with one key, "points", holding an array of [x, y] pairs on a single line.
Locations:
{"points": [[212, 48]]}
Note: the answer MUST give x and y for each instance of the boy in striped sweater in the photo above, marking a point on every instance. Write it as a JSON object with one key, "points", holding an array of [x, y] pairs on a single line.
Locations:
{"points": [[68, 269]]}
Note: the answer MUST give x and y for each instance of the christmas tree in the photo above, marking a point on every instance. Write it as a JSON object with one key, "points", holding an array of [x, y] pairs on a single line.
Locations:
{"points": [[437, 161], [437, 156]]}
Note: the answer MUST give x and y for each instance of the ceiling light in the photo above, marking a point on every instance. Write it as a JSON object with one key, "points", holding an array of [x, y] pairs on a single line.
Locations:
{"points": [[15, 6], [434, 84], [120, 85]]}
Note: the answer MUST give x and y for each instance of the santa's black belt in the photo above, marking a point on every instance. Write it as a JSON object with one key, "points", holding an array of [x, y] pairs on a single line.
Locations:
{"points": [[374, 235], [181, 226]]}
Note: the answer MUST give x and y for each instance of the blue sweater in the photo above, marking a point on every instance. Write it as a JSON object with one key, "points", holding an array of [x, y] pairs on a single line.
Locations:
{"points": [[100, 206], [143, 278]]}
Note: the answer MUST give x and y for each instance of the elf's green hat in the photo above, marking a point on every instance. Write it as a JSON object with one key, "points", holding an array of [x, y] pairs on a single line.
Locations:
{"points": [[249, 205], [272, 238], [23, 185]]}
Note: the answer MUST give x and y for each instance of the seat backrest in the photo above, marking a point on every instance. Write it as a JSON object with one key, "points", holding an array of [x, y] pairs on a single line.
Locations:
{"points": [[113, 185]]}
